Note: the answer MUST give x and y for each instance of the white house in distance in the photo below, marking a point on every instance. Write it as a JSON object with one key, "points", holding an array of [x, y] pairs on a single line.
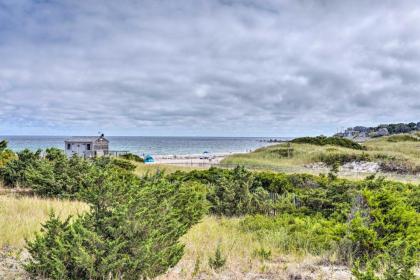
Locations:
{"points": [[86, 146]]}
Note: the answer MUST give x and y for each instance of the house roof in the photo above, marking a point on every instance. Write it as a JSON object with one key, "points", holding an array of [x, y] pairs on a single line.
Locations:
{"points": [[84, 139]]}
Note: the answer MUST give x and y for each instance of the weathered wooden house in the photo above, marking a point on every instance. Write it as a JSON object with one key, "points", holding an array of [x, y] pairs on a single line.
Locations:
{"points": [[87, 146]]}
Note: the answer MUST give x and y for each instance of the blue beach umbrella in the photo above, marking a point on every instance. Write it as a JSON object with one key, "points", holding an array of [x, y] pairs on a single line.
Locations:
{"points": [[149, 159]]}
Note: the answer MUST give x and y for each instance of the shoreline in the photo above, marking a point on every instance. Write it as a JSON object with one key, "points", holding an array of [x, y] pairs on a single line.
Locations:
{"points": [[192, 159], [199, 160]]}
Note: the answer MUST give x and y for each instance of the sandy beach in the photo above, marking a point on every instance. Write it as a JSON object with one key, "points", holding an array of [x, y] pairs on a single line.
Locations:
{"points": [[191, 160]]}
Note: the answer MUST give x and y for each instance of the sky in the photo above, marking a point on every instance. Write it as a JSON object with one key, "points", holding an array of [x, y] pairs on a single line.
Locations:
{"points": [[207, 67]]}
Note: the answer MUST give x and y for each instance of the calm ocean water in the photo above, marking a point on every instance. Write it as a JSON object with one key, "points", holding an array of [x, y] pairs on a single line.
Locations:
{"points": [[149, 145]]}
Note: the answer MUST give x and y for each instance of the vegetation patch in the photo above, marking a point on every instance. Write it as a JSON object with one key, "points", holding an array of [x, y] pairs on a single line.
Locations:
{"points": [[295, 234], [323, 140], [403, 138], [396, 160], [132, 157], [132, 230], [342, 158], [22, 216], [282, 152]]}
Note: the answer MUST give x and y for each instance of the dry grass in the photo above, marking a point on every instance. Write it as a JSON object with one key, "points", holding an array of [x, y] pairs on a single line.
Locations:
{"points": [[21, 217], [241, 261], [268, 158], [404, 149], [144, 169]]}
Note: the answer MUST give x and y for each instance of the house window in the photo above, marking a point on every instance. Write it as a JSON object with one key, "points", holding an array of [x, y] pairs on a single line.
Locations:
{"points": [[88, 147], [68, 146]]}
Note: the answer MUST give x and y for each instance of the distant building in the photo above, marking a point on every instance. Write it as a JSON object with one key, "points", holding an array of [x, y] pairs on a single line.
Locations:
{"points": [[87, 146], [383, 131]]}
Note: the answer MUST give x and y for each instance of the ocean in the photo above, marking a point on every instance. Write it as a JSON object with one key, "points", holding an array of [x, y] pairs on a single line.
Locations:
{"points": [[150, 145]]}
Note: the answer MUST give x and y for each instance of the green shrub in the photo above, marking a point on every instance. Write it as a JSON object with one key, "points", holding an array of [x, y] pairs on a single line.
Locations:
{"points": [[282, 152], [262, 253], [6, 155], [323, 140], [123, 164], [261, 201], [218, 261], [332, 175], [131, 232], [3, 145], [58, 176], [384, 236], [54, 174], [396, 263], [342, 158], [133, 157], [14, 172], [230, 195], [239, 192], [293, 233]]}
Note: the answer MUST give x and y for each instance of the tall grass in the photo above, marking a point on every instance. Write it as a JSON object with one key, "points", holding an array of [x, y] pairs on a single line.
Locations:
{"points": [[21, 217], [242, 248], [405, 149], [144, 169], [273, 157]]}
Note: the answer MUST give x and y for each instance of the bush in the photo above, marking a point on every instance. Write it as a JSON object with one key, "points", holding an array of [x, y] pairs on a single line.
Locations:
{"points": [[384, 236], [262, 253], [396, 263], [293, 233], [6, 155], [123, 164], [230, 195], [218, 261], [323, 140], [342, 158], [131, 232], [133, 157], [239, 192], [58, 176], [3, 145], [14, 172], [282, 152], [399, 166]]}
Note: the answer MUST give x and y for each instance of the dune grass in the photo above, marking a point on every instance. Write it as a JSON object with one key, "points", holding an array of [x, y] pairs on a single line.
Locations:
{"points": [[277, 158], [405, 149], [21, 217], [242, 249], [144, 169], [239, 244]]}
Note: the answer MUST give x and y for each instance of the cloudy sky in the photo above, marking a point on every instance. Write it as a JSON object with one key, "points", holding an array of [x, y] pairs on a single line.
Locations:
{"points": [[207, 67]]}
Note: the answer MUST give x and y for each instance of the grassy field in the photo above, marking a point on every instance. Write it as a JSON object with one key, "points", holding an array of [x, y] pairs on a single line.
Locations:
{"points": [[277, 157], [20, 217], [404, 149]]}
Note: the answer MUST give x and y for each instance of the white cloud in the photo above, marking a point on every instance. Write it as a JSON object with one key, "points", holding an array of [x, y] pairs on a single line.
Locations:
{"points": [[213, 67]]}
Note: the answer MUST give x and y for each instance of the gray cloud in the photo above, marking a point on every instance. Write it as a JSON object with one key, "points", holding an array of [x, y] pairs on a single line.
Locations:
{"points": [[207, 67]]}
